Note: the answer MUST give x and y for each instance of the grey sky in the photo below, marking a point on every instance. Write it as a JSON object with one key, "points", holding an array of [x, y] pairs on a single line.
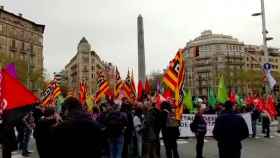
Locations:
{"points": [[110, 26]]}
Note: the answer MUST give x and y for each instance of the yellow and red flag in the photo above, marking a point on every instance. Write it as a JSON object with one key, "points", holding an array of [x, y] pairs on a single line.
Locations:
{"points": [[49, 95], [103, 87], [83, 92], [119, 83], [174, 78], [133, 88], [127, 87]]}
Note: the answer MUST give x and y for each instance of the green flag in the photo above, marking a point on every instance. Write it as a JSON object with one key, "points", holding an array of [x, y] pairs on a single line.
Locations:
{"points": [[240, 99], [211, 98], [222, 96], [188, 100], [59, 102]]}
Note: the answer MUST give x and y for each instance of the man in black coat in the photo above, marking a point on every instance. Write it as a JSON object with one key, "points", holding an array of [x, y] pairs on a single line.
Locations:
{"points": [[77, 135], [230, 129]]}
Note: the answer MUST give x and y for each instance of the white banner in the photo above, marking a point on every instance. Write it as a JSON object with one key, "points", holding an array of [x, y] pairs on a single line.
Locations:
{"points": [[185, 130]]}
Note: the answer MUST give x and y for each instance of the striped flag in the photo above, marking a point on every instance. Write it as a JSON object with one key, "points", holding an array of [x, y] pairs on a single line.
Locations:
{"points": [[133, 88], [127, 87], [119, 83], [103, 87], [49, 95], [83, 92], [174, 78]]}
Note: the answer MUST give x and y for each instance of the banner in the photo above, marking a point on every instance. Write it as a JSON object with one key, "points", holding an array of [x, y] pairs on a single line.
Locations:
{"points": [[185, 130]]}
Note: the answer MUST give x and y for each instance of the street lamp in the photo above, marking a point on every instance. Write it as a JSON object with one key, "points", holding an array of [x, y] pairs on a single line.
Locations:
{"points": [[265, 38]]}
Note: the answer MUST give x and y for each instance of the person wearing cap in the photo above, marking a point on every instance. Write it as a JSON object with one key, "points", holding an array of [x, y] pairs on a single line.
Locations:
{"points": [[229, 130]]}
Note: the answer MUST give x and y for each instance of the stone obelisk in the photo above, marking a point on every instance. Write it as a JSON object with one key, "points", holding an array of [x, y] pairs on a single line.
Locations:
{"points": [[141, 50]]}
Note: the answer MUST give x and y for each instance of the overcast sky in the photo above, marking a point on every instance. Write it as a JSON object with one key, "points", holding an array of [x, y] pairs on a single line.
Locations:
{"points": [[111, 26]]}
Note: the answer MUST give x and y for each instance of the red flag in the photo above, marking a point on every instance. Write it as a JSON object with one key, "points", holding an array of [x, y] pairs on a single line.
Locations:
{"points": [[13, 93], [270, 107], [140, 90], [232, 96], [147, 87]]}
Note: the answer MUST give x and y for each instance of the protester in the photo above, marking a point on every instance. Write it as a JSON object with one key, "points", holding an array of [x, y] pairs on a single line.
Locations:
{"points": [[43, 131], [199, 128], [138, 126], [255, 114], [150, 137], [28, 126], [78, 135], [266, 124], [126, 108], [229, 130], [116, 123], [170, 130]]}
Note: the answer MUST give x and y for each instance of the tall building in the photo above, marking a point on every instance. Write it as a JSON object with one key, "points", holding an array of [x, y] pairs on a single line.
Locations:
{"points": [[23, 38], [141, 50], [254, 57], [83, 67], [210, 55]]}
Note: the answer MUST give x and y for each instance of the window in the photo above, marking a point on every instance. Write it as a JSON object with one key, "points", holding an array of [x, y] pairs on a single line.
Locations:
{"points": [[22, 46], [92, 76], [1, 27], [247, 58], [13, 43]]}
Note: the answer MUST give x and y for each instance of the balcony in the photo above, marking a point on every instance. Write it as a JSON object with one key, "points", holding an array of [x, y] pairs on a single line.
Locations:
{"points": [[13, 49]]}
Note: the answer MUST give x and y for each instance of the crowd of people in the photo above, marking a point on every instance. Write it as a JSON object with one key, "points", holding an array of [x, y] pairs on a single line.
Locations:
{"points": [[121, 129]]}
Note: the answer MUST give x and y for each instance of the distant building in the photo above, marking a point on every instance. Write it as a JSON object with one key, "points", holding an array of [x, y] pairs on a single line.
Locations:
{"points": [[23, 38], [83, 67], [254, 57], [209, 55]]}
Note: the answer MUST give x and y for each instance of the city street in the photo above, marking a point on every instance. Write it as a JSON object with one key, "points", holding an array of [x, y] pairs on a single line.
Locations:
{"points": [[252, 148]]}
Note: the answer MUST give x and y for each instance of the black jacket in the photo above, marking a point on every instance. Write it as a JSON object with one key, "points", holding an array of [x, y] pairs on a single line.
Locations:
{"points": [[78, 136], [199, 126], [230, 129]]}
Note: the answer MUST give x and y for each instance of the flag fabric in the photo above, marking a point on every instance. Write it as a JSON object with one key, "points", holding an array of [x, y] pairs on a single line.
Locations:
{"points": [[174, 78], [239, 98], [59, 102], [167, 94], [133, 88], [103, 87], [211, 97], [147, 87], [222, 91], [159, 100], [140, 91], [119, 83], [13, 94], [267, 70], [188, 100], [49, 95], [232, 96], [270, 107], [89, 102], [11, 69], [83, 92], [127, 87]]}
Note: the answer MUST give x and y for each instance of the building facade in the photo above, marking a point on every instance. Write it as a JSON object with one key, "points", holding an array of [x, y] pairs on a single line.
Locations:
{"points": [[23, 38], [209, 56], [83, 67]]}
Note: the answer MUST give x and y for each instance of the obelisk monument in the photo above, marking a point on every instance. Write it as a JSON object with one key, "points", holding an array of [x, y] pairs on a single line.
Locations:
{"points": [[141, 50]]}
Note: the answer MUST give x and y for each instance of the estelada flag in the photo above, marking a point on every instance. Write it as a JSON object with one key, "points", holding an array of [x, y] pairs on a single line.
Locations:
{"points": [[119, 83], [103, 87], [174, 78], [83, 92], [14, 94]]}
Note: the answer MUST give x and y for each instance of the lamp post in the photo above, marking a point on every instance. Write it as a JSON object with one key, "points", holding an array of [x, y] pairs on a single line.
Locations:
{"points": [[265, 38]]}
